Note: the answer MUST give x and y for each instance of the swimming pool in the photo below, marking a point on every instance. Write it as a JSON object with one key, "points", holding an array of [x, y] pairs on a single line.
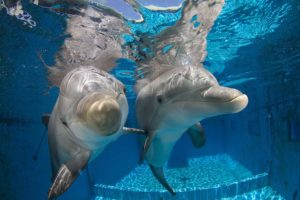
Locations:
{"points": [[253, 46]]}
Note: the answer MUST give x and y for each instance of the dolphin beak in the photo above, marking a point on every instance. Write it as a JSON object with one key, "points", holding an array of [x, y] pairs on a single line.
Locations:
{"points": [[105, 115], [239, 103], [233, 100], [102, 113]]}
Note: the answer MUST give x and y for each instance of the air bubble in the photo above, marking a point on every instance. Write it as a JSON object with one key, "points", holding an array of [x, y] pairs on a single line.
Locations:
{"points": [[19, 13]]}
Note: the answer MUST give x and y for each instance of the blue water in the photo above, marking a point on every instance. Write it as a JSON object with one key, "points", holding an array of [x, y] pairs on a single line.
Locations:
{"points": [[209, 177], [254, 46]]}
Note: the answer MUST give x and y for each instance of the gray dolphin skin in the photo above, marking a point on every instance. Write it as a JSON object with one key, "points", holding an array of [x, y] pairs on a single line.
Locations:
{"points": [[89, 114], [175, 91], [92, 108]]}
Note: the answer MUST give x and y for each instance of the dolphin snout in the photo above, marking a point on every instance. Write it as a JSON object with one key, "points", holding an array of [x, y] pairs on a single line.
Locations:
{"points": [[101, 113], [221, 94], [105, 115], [239, 103], [234, 101]]}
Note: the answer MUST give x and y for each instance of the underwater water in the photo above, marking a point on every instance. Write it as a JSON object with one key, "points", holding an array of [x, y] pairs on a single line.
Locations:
{"points": [[254, 46]]}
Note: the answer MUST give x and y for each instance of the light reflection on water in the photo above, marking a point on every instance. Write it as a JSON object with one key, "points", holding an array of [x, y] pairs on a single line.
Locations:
{"points": [[240, 24]]}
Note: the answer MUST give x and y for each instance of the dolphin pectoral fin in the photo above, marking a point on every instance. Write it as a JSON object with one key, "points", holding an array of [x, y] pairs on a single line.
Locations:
{"points": [[62, 182], [45, 119], [68, 173], [197, 135], [147, 144], [158, 172], [127, 130]]}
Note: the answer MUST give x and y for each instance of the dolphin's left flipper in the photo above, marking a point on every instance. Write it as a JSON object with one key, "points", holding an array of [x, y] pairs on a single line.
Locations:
{"points": [[147, 144], [197, 135], [159, 174], [67, 174], [127, 130]]}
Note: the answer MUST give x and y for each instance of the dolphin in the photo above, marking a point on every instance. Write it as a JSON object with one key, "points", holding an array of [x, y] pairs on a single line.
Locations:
{"points": [[92, 108], [90, 113], [175, 102], [175, 91]]}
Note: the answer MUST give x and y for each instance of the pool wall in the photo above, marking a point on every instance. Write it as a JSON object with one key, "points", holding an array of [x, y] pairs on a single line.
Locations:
{"points": [[264, 137], [258, 137]]}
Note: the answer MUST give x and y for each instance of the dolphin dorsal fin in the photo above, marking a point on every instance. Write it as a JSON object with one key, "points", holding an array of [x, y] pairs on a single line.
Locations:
{"points": [[197, 135]]}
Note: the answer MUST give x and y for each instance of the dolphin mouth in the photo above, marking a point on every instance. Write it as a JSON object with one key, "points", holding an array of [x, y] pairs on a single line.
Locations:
{"points": [[215, 94], [234, 99], [238, 98], [101, 113], [239, 103], [233, 105]]}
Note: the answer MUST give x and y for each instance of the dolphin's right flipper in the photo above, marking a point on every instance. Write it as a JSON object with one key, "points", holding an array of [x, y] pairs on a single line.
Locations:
{"points": [[197, 135], [127, 130], [67, 174], [158, 172]]}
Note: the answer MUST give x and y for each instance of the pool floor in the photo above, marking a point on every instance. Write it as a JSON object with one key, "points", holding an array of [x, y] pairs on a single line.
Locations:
{"points": [[204, 172], [209, 177], [265, 193]]}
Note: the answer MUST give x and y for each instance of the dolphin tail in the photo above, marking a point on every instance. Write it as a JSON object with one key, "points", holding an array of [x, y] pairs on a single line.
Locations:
{"points": [[197, 135], [68, 173], [159, 174]]}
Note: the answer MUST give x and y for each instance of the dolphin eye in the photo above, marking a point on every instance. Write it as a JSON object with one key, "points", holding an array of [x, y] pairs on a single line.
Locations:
{"points": [[64, 123], [159, 99], [124, 90]]}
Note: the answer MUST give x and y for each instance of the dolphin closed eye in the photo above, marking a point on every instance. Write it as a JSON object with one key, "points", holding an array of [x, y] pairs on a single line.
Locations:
{"points": [[175, 91]]}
